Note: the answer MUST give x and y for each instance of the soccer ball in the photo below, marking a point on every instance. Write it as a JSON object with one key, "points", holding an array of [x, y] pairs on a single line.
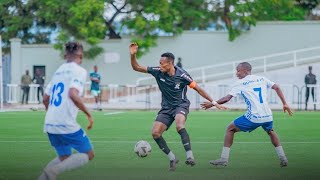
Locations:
{"points": [[142, 148]]}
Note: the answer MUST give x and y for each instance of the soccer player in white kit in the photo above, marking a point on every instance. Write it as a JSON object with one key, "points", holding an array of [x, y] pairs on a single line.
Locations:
{"points": [[62, 101], [254, 91]]}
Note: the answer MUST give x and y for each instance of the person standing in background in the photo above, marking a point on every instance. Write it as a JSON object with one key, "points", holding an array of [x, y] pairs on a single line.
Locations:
{"points": [[179, 64], [26, 80], [39, 79], [95, 87], [310, 79]]}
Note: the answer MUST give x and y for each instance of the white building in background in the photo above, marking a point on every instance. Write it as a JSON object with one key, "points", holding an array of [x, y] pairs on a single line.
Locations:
{"points": [[196, 48]]}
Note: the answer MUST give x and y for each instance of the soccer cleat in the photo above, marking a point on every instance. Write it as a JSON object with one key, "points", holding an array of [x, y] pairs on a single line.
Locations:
{"points": [[173, 165], [283, 162], [219, 162], [190, 161]]}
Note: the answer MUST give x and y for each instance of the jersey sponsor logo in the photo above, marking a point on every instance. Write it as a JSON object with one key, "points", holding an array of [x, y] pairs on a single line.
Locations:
{"points": [[252, 81], [177, 86]]}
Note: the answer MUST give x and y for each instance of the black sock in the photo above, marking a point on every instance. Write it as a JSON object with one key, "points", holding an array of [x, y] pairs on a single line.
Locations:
{"points": [[162, 144], [185, 139]]}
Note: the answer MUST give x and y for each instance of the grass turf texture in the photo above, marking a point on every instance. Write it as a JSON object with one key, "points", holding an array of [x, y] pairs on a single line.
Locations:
{"points": [[25, 149]]}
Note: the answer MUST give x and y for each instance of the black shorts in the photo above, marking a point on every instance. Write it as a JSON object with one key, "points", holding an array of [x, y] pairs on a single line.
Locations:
{"points": [[167, 115]]}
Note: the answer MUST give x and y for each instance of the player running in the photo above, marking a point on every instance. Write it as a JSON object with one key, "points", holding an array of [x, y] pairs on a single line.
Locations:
{"points": [[172, 82], [254, 91], [62, 101]]}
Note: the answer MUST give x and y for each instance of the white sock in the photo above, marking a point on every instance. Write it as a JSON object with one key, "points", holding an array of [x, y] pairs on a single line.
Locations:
{"points": [[225, 153], [53, 162], [74, 161], [50, 164], [189, 154], [171, 156], [280, 153]]}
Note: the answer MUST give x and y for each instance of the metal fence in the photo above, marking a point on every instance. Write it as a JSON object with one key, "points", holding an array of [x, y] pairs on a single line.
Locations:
{"points": [[149, 97], [259, 64]]}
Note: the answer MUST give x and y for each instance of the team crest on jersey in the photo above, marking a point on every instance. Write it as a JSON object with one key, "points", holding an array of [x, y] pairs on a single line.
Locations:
{"points": [[177, 86]]}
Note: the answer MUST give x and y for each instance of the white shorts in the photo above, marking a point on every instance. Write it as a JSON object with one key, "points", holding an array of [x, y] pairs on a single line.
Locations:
{"points": [[95, 93]]}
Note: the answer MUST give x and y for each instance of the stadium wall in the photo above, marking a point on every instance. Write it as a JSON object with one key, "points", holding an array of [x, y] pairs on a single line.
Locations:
{"points": [[196, 48]]}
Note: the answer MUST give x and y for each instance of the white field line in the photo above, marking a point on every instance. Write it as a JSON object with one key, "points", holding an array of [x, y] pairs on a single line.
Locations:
{"points": [[171, 142], [113, 113]]}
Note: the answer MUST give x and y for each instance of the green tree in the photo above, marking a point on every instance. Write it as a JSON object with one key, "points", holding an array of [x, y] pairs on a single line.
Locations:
{"points": [[144, 19], [91, 21], [240, 15], [18, 19], [79, 20]]}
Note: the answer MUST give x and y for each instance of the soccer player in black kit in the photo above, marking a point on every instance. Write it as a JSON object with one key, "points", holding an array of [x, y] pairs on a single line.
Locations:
{"points": [[172, 82]]}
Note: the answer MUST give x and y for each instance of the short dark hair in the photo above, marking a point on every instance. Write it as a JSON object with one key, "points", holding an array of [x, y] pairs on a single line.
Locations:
{"points": [[168, 55], [310, 67], [246, 65], [73, 47]]}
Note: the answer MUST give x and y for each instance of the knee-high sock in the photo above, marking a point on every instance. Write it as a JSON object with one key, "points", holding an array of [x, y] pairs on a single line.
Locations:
{"points": [[74, 161], [50, 164], [185, 139], [162, 144], [164, 147], [186, 142]]}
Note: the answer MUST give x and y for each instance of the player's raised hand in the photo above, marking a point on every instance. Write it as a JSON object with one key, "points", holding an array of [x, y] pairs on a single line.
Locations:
{"points": [[90, 119], [206, 105], [287, 109], [133, 48]]}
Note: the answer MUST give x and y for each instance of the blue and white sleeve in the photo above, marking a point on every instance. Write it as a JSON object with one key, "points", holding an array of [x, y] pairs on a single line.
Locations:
{"points": [[78, 82], [235, 90], [269, 83]]}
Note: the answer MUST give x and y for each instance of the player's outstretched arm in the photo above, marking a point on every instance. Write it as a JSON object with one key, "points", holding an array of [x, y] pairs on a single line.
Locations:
{"points": [[286, 107], [207, 105], [73, 94], [205, 95], [133, 56], [45, 100]]}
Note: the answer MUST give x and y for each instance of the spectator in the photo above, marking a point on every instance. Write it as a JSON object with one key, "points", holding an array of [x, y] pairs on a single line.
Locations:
{"points": [[25, 82], [95, 87], [179, 64], [39, 79], [310, 79]]}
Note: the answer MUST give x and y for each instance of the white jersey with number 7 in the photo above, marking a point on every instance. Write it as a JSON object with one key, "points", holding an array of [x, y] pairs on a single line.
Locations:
{"points": [[254, 91], [62, 112]]}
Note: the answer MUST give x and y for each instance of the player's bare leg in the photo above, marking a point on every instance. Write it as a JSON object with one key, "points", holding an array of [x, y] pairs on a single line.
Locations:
{"points": [[180, 125], [157, 130], [276, 142], [228, 141], [99, 102]]}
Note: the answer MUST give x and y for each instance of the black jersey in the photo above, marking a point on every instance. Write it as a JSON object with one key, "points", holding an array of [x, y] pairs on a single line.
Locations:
{"points": [[173, 88]]}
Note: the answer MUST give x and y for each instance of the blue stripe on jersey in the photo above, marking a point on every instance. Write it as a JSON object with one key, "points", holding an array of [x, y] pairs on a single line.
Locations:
{"points": [[249, 113]]}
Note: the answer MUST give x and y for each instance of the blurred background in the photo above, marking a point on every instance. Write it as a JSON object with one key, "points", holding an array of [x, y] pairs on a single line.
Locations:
{"points": [[210, 37]]}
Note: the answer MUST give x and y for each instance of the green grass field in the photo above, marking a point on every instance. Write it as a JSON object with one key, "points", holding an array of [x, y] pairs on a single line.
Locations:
{"points": [[25, 149]]}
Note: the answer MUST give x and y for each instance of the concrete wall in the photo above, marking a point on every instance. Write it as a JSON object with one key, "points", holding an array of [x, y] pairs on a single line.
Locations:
{"points": [[197, 49]]}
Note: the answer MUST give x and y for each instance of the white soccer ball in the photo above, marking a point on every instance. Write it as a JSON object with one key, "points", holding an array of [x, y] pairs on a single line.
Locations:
{"points": [[142, 148]]}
